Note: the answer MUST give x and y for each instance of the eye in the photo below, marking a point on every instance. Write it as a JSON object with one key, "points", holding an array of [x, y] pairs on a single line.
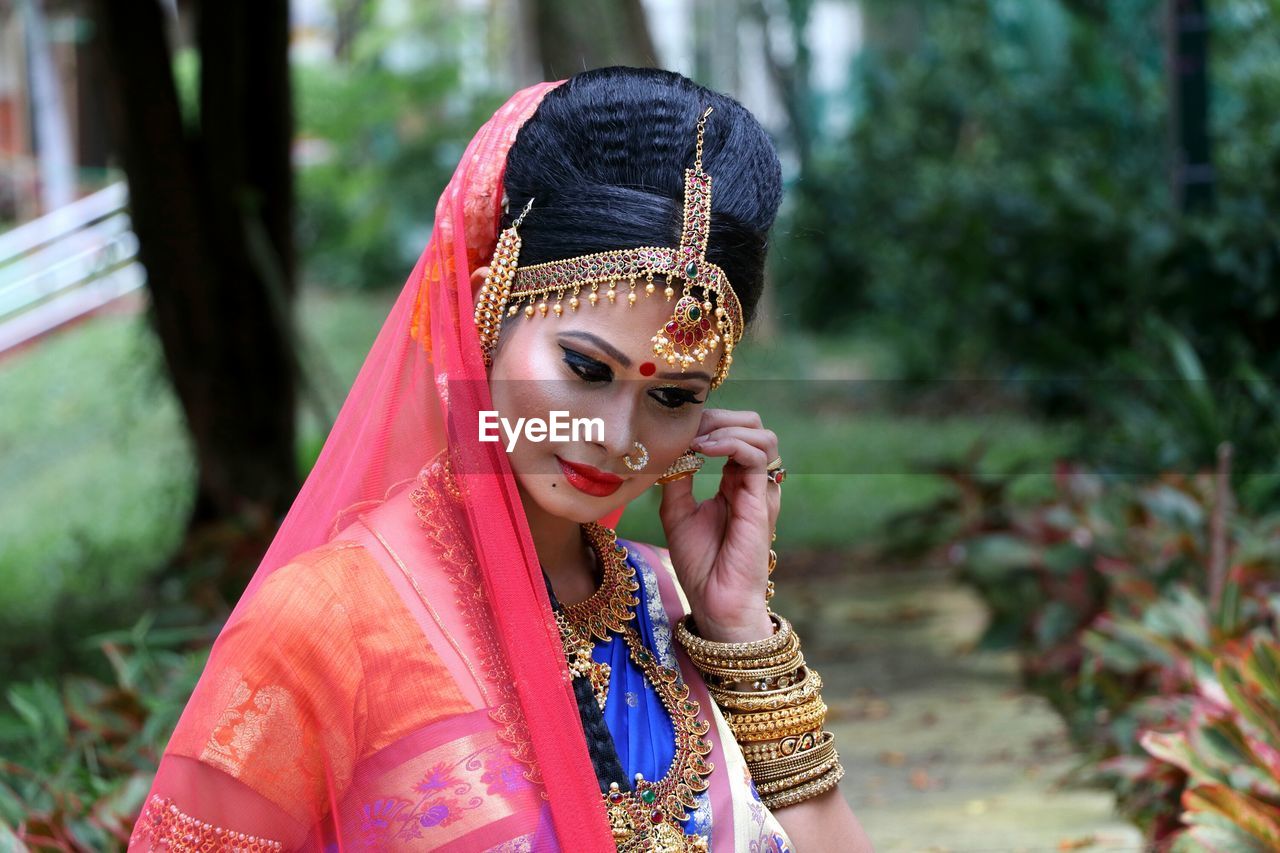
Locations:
{"points": [[673, 396], [586, 367]]}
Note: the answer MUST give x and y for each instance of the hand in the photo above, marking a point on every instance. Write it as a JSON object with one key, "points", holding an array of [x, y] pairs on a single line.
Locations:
{"points": [[720, 547]]}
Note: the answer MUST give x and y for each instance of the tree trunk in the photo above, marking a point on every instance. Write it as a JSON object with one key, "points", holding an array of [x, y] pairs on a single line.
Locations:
{"points": [[577, 35], [213, 215], [1192, 174], [350, 17]]}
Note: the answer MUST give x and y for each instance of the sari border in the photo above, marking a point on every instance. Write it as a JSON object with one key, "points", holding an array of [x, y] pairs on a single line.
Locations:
{"points": [[722, 833]]}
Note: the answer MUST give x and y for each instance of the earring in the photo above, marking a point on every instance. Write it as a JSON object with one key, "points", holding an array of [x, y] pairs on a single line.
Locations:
{"points": [[638, 464], [686, 465]]}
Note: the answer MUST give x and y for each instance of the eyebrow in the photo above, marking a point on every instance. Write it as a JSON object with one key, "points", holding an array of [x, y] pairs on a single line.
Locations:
{"points": [[617, 356]]}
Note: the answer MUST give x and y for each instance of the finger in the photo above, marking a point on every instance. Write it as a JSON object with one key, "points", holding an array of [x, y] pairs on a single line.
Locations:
{"points": [[677, 501], [739, 451], [764, 439], [750, 476], [715, 418]]}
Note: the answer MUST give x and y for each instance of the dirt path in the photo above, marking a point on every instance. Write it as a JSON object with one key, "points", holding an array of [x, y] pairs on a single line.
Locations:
{"points": [[944, 750]]}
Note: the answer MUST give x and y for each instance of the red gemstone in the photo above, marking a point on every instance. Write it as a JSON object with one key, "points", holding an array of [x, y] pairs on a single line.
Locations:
{"points": [[615, 797], [656, 816], [671, 326]]}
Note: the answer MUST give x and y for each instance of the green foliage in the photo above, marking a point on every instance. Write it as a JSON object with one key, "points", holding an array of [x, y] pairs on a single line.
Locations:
{"points": [[994, 200], [381, 139], [79, 754], [1104, 589], [83, 521], [1173, 415], [1001, 207]]}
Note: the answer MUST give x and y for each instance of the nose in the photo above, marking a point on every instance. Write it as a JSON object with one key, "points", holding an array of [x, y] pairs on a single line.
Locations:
{"points": [[619, 428]]}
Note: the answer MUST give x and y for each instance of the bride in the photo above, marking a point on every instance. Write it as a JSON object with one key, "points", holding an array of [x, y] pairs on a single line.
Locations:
{"points": [[447, 647]]}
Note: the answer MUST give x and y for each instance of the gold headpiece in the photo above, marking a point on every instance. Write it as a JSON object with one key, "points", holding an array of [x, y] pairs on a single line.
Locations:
{"points": [[695, 327]]}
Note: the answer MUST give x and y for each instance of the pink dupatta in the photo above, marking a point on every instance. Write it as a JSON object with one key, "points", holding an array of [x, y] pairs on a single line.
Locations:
{"points": [[366, 691]]}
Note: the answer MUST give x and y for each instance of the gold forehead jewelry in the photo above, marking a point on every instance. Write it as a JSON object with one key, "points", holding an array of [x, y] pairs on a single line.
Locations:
{"points": [[696, 326]]}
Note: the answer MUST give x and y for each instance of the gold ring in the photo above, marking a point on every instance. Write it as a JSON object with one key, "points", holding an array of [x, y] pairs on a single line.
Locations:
{"points": [[774, 465]]}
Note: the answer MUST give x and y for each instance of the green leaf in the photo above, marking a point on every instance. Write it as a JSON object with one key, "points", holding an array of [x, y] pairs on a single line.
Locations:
{"points": [[1173, 748]]}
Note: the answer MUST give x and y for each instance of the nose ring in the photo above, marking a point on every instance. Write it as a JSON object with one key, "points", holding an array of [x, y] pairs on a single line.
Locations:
{"points": [[637, 464]]}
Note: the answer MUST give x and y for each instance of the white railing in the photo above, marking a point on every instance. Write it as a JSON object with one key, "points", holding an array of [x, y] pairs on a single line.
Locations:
{"points": [[66, 264]]}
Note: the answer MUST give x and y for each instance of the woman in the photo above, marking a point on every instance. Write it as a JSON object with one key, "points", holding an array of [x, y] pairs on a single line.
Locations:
{"points": [[444, 647]]}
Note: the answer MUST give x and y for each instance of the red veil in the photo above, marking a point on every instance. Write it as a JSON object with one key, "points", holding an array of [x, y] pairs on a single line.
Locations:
{"points": [[393, 672]]}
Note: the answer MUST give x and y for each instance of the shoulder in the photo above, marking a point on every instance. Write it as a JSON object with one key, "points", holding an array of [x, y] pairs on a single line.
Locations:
{"points": [[332, 564], [311, 596], [326, 572]]}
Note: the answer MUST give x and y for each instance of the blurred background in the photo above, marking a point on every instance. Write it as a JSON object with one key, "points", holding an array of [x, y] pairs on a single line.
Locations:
{"points": [[1020, 347]]}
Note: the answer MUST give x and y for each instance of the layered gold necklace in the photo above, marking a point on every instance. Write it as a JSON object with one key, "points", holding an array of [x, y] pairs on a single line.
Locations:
{"points": [[648, 816]]}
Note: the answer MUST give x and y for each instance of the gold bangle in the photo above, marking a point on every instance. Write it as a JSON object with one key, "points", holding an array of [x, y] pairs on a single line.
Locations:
{"points": [[732, 676], [772, 725], [780, 657], [785, 656], [782, 768], [757, 732], [779, 785], [806, 791], [699, 647], [807, 708], [769, 700], [783, 747]]}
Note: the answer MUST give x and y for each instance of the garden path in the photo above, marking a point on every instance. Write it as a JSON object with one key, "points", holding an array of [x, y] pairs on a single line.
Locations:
{"points": [[944, 750]]}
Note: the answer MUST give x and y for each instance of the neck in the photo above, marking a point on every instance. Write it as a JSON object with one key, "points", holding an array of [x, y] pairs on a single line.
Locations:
{"points": [[565, 555]]}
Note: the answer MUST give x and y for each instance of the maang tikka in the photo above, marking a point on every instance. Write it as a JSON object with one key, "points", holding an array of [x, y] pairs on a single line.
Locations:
{"points": [[696, 325]]}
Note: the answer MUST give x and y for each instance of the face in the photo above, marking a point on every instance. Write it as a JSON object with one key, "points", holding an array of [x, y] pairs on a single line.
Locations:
{"points": [[596, 362]]}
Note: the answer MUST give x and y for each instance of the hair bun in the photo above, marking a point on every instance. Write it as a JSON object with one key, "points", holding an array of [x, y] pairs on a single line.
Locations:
{"points": [[605, 153]]}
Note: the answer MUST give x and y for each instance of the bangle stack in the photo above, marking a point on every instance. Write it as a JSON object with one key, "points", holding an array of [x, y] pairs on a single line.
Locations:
{"points": [[772, 702]]}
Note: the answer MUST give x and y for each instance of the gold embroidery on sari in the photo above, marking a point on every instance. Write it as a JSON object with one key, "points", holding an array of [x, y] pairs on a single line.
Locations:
{"points": [[167, 827], [246, 719], [439, 520]]}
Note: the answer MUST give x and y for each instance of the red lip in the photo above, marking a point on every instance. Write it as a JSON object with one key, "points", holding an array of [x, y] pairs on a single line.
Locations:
{"points": [[591, 481]]}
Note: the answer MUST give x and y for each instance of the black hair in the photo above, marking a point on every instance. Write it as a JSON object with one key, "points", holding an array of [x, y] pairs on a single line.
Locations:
{"points": [[603, 157]]}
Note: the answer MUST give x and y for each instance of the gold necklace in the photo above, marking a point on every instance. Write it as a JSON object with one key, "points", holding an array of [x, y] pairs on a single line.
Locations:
{"points": [[647, 817], [609, 607]]}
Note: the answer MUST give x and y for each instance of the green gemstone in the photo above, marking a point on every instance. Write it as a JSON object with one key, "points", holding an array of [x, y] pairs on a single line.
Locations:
{"points": [[695, 312], [648, 796], [691, 270]]}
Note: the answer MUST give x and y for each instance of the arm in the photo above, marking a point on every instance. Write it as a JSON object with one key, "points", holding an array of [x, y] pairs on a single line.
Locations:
{"points": [[720, 551], [824, 823], [268, 736]]}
